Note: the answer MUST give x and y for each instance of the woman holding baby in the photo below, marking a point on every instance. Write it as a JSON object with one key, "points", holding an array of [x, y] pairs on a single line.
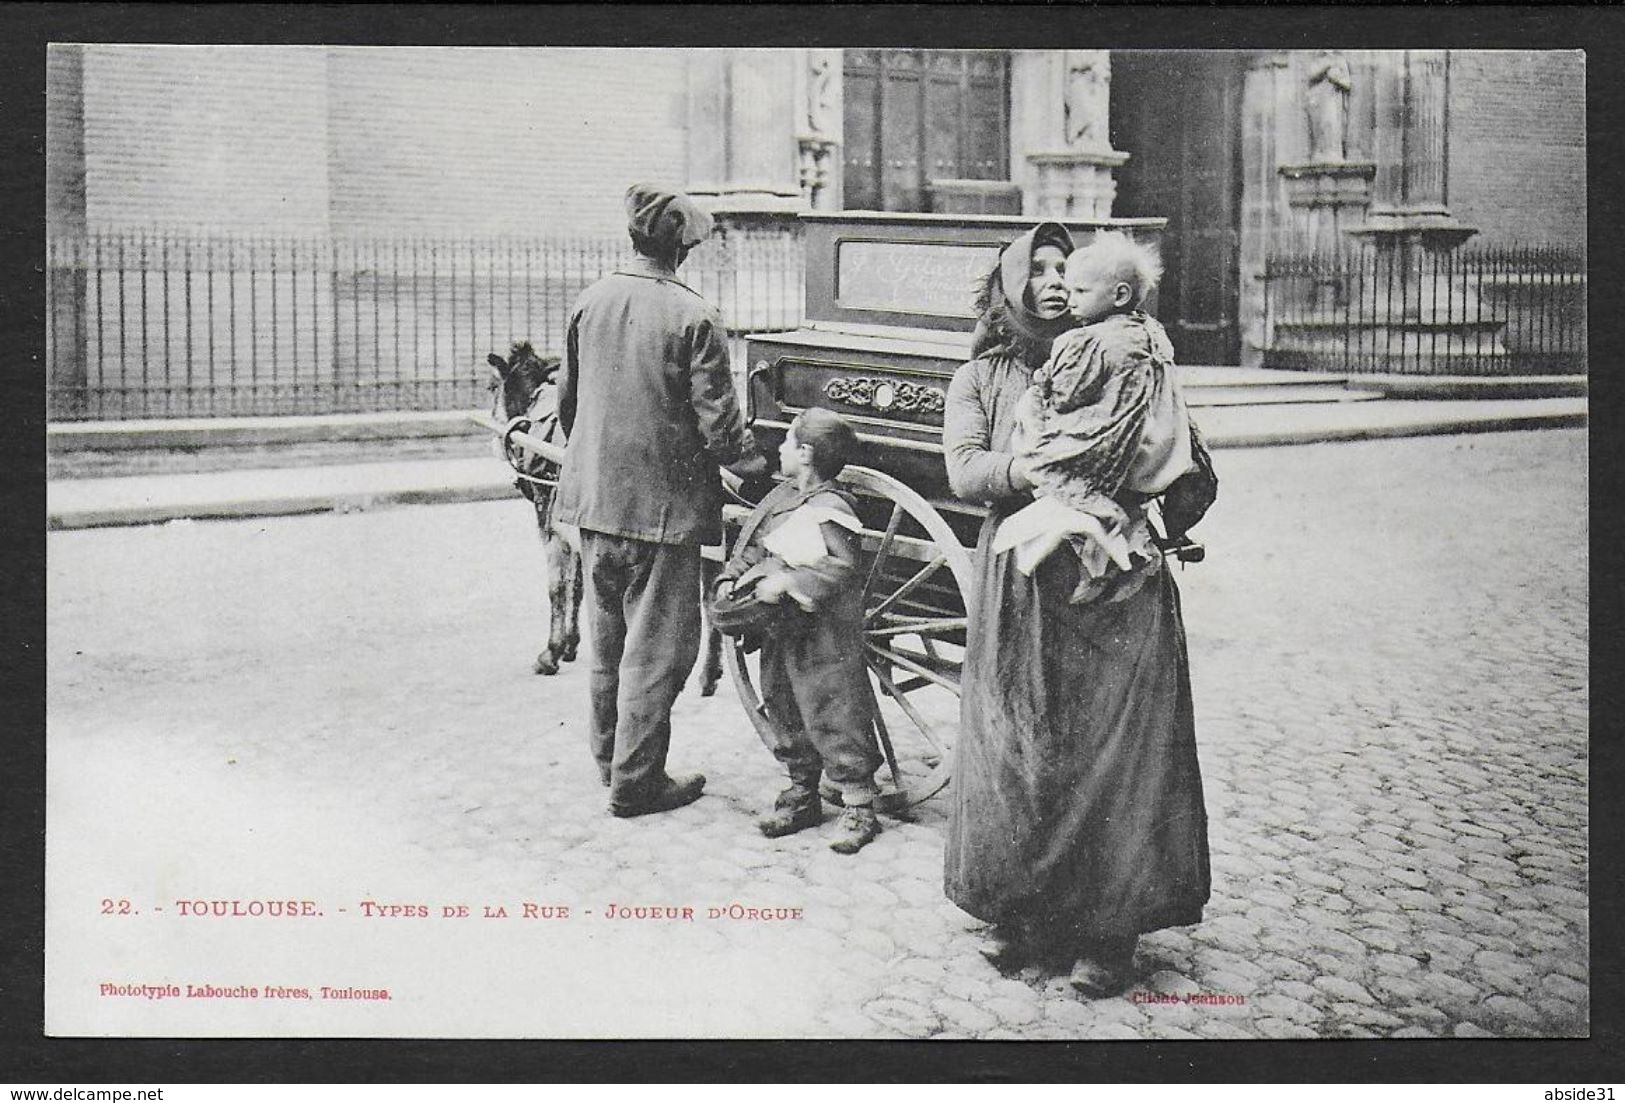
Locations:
{"points": [[1077, 817]]}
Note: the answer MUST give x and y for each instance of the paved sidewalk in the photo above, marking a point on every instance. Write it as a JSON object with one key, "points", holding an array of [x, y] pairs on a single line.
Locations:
{"points": [[148, 499], [264, 492], [200, 432], [1261, 426]]}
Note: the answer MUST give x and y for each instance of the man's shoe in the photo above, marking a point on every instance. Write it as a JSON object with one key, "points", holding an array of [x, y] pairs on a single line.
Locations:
{"points": [[675, 793], [858, 829]]}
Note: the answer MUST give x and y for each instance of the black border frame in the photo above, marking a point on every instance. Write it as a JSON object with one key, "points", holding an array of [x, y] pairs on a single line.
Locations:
{"points": [[27, 1057]]}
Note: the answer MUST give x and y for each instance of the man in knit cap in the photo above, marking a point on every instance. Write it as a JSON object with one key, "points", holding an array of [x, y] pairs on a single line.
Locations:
{"points": [[648, 402]]}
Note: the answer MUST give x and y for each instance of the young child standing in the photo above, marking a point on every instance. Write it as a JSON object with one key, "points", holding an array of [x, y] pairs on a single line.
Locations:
{"points": [[814, 685]]}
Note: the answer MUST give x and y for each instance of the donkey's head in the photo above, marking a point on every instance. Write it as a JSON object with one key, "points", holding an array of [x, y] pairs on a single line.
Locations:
{"points": [[517, 381]]}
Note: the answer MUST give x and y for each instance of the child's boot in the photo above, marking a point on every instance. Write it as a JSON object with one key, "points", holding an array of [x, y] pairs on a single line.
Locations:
{"points": [[795, 809], [857, 830]]}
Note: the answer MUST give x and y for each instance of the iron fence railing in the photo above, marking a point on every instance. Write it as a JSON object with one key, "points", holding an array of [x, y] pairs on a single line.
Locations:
{"points": [[1474, 311], [167, 324]]}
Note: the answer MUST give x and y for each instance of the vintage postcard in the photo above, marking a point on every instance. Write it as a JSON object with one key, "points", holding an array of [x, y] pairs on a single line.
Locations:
{"points": [[1154, 583]]}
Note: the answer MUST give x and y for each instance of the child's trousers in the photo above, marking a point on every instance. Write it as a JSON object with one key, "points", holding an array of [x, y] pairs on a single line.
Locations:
{"points": [[816, 690]]}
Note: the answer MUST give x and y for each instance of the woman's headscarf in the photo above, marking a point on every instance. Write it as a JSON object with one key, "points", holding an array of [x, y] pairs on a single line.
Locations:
{"points": [[1005, 318]]}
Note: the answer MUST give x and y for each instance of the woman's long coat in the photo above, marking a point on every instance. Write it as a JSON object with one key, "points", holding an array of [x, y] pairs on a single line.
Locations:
{"points": [[1077, 800]]}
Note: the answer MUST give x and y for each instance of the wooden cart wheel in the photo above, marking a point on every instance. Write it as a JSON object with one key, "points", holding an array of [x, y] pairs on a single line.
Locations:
{"points": [[917, 579]]}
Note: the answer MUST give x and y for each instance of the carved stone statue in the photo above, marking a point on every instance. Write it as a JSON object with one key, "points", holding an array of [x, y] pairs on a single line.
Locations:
{"points": [[1325, 101], [1085, 99], [823, 66]]}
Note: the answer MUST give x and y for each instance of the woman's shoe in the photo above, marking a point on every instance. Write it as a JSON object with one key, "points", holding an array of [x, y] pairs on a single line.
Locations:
{"points": [[1008, 949], [1105, 969], [1096, 980]]}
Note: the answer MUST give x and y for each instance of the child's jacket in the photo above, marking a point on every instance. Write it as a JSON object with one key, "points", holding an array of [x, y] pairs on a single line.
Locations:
{"points": [[811, 535], [815, 682]]}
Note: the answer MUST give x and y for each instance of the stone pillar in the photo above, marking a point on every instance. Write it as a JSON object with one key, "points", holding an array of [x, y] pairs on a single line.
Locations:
{"points": [[1388, 137], [1410, 146], [743, 154], [1409, 215], [819, 120], [1065, 97], [756, 145], [1425, 136], [65, 221], [1263, 216]]}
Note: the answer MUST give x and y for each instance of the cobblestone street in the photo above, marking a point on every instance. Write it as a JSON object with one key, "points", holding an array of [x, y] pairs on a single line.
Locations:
{"points": [[1389, 652]]}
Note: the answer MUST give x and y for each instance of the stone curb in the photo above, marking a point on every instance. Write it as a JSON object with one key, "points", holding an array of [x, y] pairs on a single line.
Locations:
{"points": [[1469, 387], [274, 506], [131, 435], [500, 487], [114, 436], [1439, 427]]}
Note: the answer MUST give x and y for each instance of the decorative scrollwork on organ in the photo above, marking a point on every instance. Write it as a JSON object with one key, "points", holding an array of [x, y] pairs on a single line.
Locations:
{"points": [[886, 395]]}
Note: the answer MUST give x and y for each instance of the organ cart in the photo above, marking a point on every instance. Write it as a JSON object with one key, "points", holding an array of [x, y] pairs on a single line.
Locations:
{"points": [[888, 320]]}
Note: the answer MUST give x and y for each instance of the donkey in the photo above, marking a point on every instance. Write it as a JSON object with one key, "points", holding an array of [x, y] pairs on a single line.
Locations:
{"points": [[525, 396]]}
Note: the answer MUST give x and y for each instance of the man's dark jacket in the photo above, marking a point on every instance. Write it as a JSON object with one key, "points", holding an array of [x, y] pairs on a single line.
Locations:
{"points": [[649, 405]]}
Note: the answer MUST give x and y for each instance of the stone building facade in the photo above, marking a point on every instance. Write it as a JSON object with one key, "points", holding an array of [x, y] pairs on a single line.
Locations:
{"points": [[1248, 154], [1404, 158]]}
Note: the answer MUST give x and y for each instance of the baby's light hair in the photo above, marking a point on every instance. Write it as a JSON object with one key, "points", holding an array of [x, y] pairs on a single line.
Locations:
{"points": [[1119, 257]]}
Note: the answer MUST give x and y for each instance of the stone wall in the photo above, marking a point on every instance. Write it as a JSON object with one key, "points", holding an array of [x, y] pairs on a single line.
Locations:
{"points": [[296, 140], [1518, 145], [463, 142], [205, 137], [495, 141]]}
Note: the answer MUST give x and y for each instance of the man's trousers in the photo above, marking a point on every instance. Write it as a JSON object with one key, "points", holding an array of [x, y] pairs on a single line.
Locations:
{"points": [[643, 609]]}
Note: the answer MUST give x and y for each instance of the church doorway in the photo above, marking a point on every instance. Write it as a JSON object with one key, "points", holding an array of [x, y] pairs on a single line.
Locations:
{"points": [[1177, 113]]}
